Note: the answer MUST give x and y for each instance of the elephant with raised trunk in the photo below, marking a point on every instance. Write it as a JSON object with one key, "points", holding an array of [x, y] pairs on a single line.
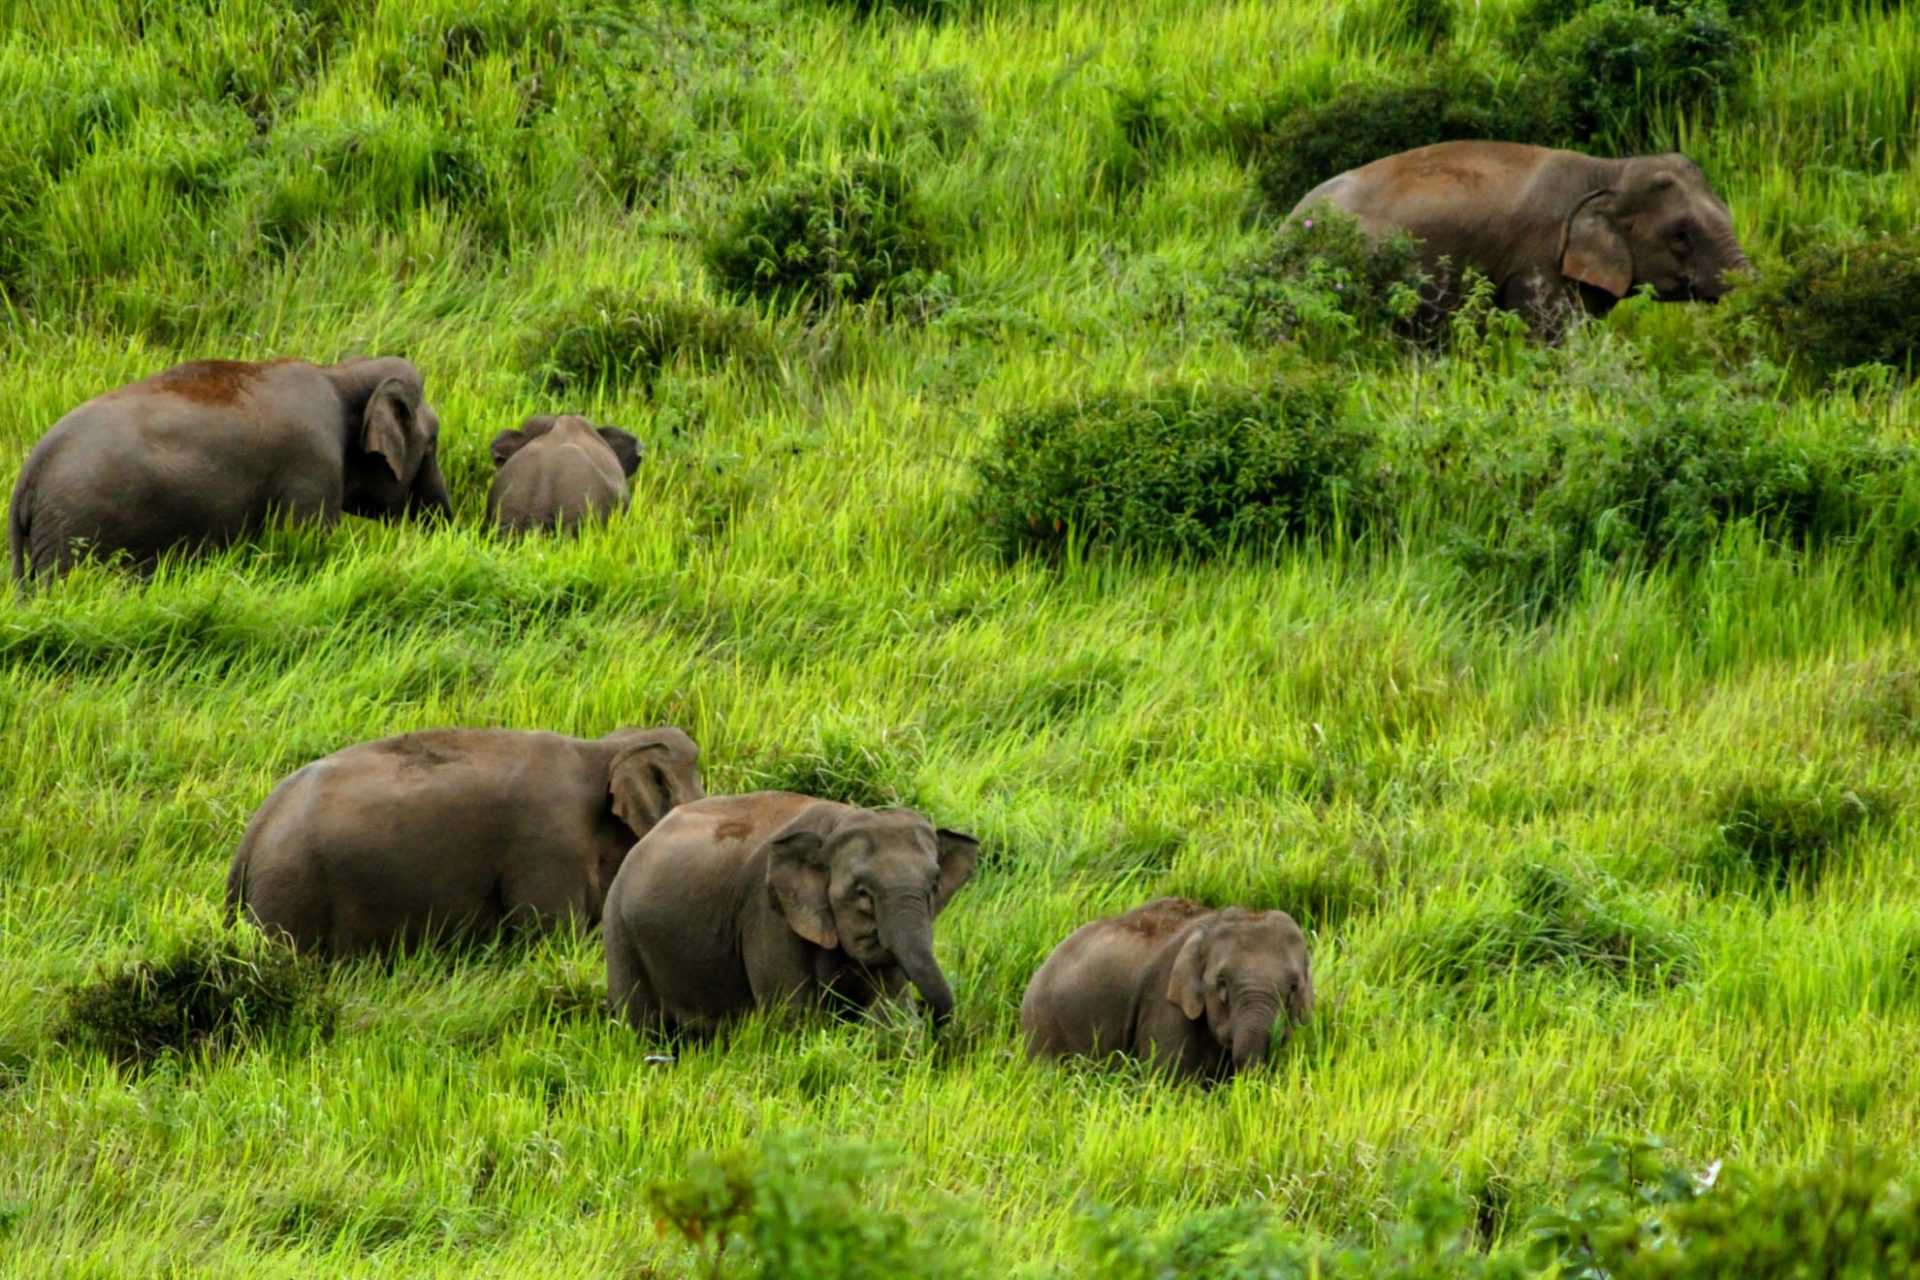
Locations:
{"points": [[557, 473], [454, 833], [1554, 231], [203, 454], [1193, 991], [774, 899]]}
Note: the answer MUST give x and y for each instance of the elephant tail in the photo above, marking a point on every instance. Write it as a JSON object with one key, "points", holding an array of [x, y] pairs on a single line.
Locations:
{"points": [[19, 521], [236, 884]]}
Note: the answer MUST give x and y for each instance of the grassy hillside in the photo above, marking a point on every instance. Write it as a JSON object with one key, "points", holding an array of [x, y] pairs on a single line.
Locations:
{"points": [[1595, 801]]}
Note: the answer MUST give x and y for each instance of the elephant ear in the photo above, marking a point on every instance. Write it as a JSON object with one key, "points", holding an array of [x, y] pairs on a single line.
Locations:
{"points": [[625, 447], [1594, 252], [639, 788], [959, 854], [505, 445], [1187, 984], [797, 873], [388, 422]]}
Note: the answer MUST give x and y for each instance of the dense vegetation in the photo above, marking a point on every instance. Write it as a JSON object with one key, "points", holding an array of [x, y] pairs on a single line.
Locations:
{"points": [[1003, 460]]}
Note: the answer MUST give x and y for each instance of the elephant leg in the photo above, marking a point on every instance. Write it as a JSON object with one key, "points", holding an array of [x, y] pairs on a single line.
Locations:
{"points": [[631, 994]]}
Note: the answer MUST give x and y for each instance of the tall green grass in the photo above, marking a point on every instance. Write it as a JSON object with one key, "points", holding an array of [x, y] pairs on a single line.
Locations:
{"points": [[1516, 837]]}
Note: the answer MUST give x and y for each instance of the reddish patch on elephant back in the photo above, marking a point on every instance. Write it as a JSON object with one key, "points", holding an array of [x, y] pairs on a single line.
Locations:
{"points": [[422, 750], [1160, 918], [210, 381], [734, 830]]}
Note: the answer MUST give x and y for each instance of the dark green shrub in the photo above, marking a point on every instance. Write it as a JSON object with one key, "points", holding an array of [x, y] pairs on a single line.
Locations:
{"points": [[1422, 24], [1184, 471], [852, 234], [1773, 837], [1139, 134], [1838, 305], [1599, 77], [793, 1209], [610, 340], [1363, 123], [1323, 284], [385, 170], [203, 995]]}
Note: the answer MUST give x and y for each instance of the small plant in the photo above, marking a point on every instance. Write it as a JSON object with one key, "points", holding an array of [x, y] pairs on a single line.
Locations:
{"points": [[1837, 306], [203, 995], [1180, 471], [794, 1210], [1774, 837], [1324, 284], [852, 234], [609, 340]]}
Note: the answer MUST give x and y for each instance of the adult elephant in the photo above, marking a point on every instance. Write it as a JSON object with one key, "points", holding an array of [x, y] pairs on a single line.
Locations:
{"points": [[1191, 990], [773, 898], [1552, 230], [453, 832], [558, 472], [205, 453]]}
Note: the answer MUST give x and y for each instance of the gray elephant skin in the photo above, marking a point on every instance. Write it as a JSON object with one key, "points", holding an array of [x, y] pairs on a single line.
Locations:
{"points": [[1192, 991], [557, 472], [206, 453], [772, 898], [1552, 230], [453, 833]]}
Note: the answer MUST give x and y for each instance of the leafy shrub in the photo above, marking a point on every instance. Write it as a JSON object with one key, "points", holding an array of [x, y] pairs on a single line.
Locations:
{"points": [[1775, 837], [1184, 471], [204, 994], [1608, 66], [612, 340], [1557, 924], [1322, 283], [1837, 305], [795, 1211], [1364, 122], [852, 234]]}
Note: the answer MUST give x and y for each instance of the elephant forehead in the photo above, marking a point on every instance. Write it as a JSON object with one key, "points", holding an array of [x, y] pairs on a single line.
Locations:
{"points": [[884, 839]]}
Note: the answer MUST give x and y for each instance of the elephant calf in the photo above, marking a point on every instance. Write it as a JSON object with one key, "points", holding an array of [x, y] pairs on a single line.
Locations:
{"points": [[559, 472], [1554, 231], [203, 454], [767, 898], [453, 832], [1189, 989]]}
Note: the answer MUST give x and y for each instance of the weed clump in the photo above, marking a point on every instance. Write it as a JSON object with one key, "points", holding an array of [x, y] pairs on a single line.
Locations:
{"points": [[1323, 284], [1181, 471], [386, 169], [1556, 924], [854, 234], [842, 768], [1837, 306], [609, 340], [202, 995], [1778, 837]]}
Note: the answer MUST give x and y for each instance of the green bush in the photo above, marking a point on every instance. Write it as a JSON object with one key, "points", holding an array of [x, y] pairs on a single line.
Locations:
{"points": [[1773, 837], [386, 169], [201, 995], [1836, 306], [851, 234], [1322, 283], [1607, 69], [610, 340], [1183, 471]]}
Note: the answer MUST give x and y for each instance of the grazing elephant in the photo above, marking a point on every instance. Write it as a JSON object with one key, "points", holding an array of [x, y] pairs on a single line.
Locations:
{"points": [[1553, 230], [771, 897], [205, 453], [453, 833], [559, 472], [1191, 990]]}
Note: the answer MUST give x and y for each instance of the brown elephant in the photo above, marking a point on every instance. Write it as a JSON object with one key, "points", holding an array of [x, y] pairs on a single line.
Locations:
{"points": [[453, 833], [203, 454], [1191, 990], [1552, 230], [775, 898], [559, 472]]}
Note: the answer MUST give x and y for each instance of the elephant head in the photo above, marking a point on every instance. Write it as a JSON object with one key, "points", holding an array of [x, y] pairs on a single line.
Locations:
{"points": [[1656, 222], [870, 882], [625, 447], [393, 440], [1237, 969], [651, 771]]}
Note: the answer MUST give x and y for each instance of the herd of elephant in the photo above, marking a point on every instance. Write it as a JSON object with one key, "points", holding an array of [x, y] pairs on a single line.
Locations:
{"points": [[710, 906]]}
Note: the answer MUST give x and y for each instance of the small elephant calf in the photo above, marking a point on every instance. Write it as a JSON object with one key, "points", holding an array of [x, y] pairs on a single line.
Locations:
{"points": [[1191, 990], [558, 472], [771, 898]]}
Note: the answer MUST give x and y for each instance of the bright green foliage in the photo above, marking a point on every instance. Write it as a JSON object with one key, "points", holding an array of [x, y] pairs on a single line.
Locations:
{"points": [[1323, 284]]}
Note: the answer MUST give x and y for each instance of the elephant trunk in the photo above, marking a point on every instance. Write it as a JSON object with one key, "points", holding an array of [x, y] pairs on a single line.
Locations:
{"points": [[907, 932], [1252, 1026], [430, 491]]}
